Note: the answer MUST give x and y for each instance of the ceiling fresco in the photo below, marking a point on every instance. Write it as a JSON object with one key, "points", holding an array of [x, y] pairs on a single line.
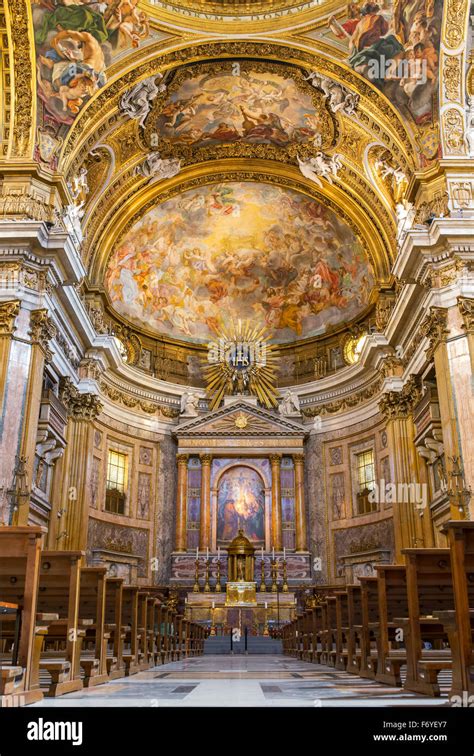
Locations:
{"points": [[395, 45], [236, 102], [239, 250], [75, 44]]}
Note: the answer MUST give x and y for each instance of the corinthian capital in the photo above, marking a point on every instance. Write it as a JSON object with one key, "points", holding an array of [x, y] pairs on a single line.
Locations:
{"points": [[466, 308], [42, 330], [434, 327], [79, 406], [399, 404], [8, 313]]}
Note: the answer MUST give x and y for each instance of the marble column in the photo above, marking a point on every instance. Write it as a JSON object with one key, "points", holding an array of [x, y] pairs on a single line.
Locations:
{"points": [[182, 502], [205, 523], [448, 332], [397, 407], [42, 330], [24, 348], [76, 467], [8, 314], [300, 511], [466, 308], [277, 541]]}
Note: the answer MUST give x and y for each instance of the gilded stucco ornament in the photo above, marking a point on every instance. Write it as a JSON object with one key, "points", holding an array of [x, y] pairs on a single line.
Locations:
{"points": [[434, 328], [20, 32], [80, 406], [8, 314]]}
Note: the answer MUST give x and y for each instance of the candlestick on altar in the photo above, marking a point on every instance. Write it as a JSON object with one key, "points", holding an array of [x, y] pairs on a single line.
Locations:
{"points": [[207, 587], [263, 587], [285, 583], [274, 576], [218, 587], [196, 588]]}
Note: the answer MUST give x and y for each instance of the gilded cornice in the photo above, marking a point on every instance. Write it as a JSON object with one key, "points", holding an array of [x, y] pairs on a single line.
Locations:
{"points": [[241, 17], [137, 403], [347, 402]]}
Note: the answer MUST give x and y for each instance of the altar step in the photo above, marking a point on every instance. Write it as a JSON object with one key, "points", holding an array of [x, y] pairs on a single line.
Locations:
{"points": [[256, 644]]}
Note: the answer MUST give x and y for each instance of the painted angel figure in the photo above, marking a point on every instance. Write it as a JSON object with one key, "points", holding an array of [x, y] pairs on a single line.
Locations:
{"points": [[322, 165], [136, 103]]}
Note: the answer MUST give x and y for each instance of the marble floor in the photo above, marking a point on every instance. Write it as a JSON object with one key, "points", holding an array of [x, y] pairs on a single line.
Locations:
{"points": [[243, 681]]}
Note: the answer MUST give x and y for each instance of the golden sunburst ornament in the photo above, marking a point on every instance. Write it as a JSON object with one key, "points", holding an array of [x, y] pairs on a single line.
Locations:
{"points": [[241, 420], [241, 361]]}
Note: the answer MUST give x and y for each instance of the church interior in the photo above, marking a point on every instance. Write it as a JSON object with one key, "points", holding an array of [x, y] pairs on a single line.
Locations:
{"points": [[236, 353]]}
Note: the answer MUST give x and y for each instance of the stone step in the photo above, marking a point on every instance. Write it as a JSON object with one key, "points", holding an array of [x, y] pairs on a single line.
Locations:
{"points": [[217, 645]]}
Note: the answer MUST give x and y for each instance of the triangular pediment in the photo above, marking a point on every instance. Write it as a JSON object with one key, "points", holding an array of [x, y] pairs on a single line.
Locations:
{"points": [[241, 419]]}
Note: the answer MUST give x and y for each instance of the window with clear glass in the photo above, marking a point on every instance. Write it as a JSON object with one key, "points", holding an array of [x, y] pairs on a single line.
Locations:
{"points": [[366, 481], [116, 484]]}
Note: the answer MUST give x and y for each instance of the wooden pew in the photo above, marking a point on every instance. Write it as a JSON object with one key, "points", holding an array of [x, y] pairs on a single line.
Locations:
{"points": [[308, 636], [368, 649], [299, 636], [354, 609], [130, 623], [429, 590], [20, 550], [459, 623], [114, 627], [92, 618], [329, 631], [145, 659], [318, 632], [342, 628], [59, 588], [392, 603], [172, 614]]}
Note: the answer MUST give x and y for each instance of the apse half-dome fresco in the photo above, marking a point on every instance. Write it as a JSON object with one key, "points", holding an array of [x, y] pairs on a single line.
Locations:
{"points": [[239, 250]]}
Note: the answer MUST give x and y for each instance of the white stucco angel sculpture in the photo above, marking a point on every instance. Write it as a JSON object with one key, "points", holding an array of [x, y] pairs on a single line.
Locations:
{"points": [[405, 217], [338, 97], [156, 168], [385, 170], [78, 186], [290, 404], [189, 404], [136, 103], [322, 165]]}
